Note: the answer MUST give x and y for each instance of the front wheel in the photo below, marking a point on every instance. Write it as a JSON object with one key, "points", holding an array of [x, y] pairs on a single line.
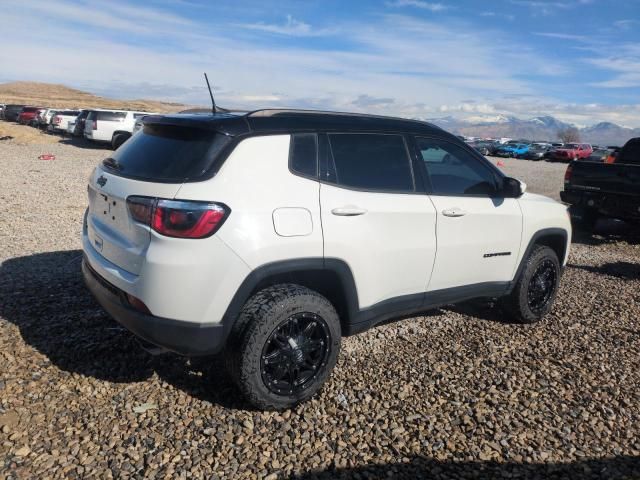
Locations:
{"points": [[536, 288], [284, 345]]}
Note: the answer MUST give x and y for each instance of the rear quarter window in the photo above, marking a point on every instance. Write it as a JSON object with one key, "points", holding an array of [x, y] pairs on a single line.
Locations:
{"points": [[167, 153], [303, 154]]}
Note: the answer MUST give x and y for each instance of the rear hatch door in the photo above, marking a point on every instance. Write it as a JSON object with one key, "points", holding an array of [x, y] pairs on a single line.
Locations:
{"points": [[153, 163], [111, 230]]}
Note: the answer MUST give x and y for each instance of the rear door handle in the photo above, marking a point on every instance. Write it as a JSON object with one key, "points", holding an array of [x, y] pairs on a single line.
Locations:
{"points": [[348, 211], [454, 212]]}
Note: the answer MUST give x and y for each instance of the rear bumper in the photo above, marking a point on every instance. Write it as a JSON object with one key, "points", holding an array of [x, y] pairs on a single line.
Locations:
{"points": [[623, 207], [184, 338]]}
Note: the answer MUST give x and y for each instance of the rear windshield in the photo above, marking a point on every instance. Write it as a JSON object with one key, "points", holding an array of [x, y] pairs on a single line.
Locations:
{"points": [[30, 109], [69, 113], [167, 153]]}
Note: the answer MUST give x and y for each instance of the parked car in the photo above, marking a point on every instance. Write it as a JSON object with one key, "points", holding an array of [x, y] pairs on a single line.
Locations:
{"points": [[61, 120], [12, 111], [267, 254], [27, 115], [485, 147], [604, 155], [512, 150], [75, 127], [554, 147], [572, 151], [111, 126], [597, 190], [537, 151], [45, 116], [139, 124]]}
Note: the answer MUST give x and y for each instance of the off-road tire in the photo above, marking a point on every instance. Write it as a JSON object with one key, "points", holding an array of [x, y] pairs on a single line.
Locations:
{"points": [[260, 316], [516, 304], [118, 139]]}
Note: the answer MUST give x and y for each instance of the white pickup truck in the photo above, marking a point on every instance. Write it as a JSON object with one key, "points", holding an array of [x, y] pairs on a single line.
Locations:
{"points": [[111, 126]]}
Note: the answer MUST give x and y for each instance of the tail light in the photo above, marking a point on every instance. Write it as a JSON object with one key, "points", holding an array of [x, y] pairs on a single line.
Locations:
{"points": [[568, 173], [57, 120], [94, 125], [178, 218]]}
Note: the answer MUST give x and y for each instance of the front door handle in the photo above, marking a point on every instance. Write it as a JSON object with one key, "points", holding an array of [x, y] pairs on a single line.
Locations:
{"points": [[454, 212], [348, 211]]}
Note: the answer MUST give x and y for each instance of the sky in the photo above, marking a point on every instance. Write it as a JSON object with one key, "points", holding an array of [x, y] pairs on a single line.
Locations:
{"points": [[577, 60]]}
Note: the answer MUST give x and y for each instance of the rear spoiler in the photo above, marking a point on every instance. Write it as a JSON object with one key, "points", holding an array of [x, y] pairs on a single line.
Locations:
{"points": [[224, 123]]}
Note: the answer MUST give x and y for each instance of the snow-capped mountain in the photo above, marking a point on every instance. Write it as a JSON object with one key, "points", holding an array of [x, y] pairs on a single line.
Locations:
{"points": [[537, 128]]}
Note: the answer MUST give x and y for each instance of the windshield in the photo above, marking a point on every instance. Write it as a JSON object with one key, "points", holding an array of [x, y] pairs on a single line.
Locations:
{"points": [[571, 146]]}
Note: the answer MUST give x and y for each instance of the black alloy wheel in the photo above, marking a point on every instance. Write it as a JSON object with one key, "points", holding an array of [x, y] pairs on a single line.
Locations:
{"points": [[542, 286], [295, 353]]}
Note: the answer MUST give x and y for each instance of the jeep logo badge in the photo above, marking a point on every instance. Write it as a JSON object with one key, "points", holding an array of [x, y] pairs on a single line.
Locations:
{"points": [[102, 180]]}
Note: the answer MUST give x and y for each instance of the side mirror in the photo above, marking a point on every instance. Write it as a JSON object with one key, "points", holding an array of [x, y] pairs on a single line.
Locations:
{"points": [[513, 188]]}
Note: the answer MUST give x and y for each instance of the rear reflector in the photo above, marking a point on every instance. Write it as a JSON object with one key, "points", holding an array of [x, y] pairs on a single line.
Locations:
{"points": [[137, 304], [178, 218]]}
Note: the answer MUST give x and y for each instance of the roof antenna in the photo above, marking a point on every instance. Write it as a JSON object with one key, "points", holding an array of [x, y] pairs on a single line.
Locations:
{"points": [[213, 102]]}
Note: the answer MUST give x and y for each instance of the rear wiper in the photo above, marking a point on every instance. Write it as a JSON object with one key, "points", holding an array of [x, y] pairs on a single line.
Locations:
{"points": [[111, 163]]}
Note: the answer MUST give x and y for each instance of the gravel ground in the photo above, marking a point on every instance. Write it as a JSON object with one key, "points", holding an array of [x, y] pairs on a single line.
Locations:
{"points": [[454, 394]]}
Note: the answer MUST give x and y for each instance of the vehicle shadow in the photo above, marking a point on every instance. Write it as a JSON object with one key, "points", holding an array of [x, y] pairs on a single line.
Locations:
{"points": [[45, 297], [82, 142], [616, 468], [608, 231], [622, 270], [483, 309]]}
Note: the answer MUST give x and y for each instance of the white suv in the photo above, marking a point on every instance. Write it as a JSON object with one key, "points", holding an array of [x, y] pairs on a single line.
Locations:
{"points": [[269, 236], [111, 126]]}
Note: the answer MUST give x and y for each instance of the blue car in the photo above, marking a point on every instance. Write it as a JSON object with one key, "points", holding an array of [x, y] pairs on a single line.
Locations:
{"points": [[512, 150]]}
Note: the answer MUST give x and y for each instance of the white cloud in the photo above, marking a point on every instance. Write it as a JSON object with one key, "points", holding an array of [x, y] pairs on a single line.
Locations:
{"points": [[395, 65], [545, 7], [432, 7], [626, 24], [624, 65], [290, 27]]}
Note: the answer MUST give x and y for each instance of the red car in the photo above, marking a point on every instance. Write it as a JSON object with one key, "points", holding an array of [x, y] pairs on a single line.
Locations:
{"points": [[27, 114], [572, 151]]}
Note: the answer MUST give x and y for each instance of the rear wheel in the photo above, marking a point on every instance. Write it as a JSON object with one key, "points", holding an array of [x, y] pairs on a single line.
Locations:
{"points": [[284, 345], [536, 288]]}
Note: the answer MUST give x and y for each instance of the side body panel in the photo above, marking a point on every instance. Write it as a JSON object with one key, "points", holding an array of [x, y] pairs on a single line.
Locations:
{"points": [[255, 182], [390, 248], [481, 245]]}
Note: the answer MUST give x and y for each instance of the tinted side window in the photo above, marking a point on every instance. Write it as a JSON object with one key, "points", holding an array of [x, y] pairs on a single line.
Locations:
{"points": [[303, 154], [370, 162], [454, 171], [111, 116]]}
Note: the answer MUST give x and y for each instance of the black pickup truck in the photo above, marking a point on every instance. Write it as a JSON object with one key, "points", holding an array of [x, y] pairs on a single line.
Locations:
{"points": [[611, 190]]}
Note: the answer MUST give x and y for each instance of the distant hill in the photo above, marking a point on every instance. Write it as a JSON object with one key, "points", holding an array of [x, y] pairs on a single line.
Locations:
{"points": [[537, 128], [60, 96]]}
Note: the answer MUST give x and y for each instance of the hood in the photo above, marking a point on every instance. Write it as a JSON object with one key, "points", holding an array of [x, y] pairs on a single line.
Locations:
{"points": [[535, 197]]}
